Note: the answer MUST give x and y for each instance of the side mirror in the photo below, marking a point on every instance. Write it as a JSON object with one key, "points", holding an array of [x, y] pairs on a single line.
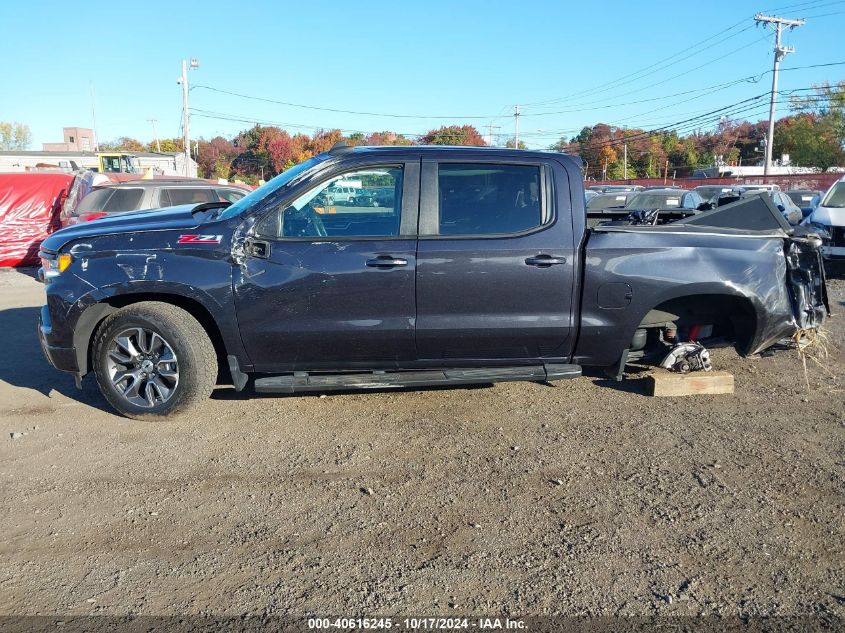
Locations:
{"points": [[781, 208]]}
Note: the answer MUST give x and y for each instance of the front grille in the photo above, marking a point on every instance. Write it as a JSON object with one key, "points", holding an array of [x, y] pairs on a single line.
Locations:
{"points": [[837, 235]]}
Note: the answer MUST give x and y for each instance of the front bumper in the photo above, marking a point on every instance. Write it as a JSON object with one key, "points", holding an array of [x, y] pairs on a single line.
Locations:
{"points": [[62, 358], [833, 253]]}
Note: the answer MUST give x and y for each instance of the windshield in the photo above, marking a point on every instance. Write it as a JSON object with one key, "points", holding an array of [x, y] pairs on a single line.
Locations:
{"points": [[655, 201], [279, 182], [835, 197], [801, 198]]}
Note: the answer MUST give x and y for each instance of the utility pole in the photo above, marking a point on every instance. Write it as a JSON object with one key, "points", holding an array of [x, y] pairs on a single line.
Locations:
{"points": [[780, 53], [516, 126], [625, 160], [155, 134], [186, 135], [94, 119], [490, 128]]}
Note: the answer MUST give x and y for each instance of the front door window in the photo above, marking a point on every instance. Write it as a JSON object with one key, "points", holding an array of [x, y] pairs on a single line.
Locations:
{"points": [[362, 203]]}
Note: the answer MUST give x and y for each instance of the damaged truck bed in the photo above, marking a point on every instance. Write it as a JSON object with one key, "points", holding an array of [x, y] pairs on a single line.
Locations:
{"points": [[740, 272], [447, 266]]}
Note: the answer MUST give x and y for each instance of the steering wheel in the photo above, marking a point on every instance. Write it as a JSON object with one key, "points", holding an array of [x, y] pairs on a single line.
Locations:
{"points": [[304, 222]]}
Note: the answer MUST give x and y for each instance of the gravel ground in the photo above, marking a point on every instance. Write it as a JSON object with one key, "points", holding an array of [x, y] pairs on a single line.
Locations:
{"points": [[587, 497]]}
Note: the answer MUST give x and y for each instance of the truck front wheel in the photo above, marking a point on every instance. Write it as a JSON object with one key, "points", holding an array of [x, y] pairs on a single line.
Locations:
{"points": [[153, 360]]}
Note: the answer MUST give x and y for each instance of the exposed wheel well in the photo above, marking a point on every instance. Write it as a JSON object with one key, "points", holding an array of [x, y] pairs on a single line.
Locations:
{"points": [[193, 307], [732, 317]]}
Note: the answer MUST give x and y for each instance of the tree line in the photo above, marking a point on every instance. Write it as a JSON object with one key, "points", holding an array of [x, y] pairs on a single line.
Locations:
{"points": [[813, 136]]}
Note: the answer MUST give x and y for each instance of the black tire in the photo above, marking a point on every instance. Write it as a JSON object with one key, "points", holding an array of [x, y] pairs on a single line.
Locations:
{"points": [[182, 333]]}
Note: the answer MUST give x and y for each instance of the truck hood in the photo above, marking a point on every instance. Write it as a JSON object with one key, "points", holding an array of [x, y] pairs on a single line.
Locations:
{"points": [[135, 221]]}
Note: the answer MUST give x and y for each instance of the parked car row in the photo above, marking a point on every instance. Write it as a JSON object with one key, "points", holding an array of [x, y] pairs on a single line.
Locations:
{"points": [[615, 199]]}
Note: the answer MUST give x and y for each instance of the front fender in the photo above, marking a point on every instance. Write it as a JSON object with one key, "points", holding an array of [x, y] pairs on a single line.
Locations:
{"points": [[98, 281]]}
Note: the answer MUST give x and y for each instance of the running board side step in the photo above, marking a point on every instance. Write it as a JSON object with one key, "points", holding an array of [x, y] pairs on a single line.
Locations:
{"points": [[303, 381]]}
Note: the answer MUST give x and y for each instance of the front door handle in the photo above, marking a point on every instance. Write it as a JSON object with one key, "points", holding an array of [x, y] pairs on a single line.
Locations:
{"points": [[386, 261], [544, 261]]}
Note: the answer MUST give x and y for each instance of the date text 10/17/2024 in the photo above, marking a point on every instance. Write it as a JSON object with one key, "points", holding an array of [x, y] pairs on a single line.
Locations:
{"points": [[416, 624]]}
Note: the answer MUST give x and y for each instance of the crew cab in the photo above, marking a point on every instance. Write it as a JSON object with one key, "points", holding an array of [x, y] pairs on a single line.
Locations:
{"points": [[479, 267]]}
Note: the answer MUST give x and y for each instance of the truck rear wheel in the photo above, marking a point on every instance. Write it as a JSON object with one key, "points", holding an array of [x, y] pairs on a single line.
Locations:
{"points": [[153, 360]]}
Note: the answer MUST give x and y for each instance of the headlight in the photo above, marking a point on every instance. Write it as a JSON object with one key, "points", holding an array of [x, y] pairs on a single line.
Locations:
{"points": [[54, 265]]}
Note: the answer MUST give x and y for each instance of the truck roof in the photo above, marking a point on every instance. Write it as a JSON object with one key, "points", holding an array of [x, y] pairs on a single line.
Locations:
{"points": [[450, 150]]}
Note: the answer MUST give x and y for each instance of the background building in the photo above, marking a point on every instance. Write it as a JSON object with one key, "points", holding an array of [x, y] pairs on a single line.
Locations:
{"points": [[161, 164], [76, 139]]}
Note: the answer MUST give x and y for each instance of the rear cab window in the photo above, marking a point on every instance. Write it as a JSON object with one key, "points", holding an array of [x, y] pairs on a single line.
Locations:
{"points": [[490, 198]]}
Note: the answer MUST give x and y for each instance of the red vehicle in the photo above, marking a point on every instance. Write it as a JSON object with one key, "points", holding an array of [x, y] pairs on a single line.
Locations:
{"points": [[31, 206]]}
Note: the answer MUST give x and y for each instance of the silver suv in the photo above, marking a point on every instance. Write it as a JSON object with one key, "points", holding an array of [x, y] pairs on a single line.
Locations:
{"points": [[137, 195]]}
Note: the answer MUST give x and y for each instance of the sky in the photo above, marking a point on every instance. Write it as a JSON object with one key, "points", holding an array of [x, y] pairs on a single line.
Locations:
{"points": [[404, 66]]}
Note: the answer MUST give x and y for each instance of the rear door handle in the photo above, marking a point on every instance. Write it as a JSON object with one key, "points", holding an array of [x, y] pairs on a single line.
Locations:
{"points": [[545, 260], [386, 261]]}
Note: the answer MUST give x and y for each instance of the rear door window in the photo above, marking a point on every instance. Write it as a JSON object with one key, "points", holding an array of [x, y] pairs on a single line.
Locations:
{"points": [[188, 195], [489, 199]]}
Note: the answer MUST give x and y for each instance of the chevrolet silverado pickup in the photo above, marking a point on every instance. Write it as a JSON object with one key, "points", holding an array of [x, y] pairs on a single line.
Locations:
{"points": [[478, 267]]}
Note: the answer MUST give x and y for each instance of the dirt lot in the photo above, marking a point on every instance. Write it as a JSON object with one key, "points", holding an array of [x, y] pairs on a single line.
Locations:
{"points": [[583, 498]]}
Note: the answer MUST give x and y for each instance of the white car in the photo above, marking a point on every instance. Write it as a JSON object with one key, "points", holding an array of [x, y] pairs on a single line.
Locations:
{"points": [[342, 195], [829, 217]]}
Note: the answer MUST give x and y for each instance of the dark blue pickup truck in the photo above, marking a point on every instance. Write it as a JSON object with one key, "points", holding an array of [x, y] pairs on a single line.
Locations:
{"points": [[477, 267]]}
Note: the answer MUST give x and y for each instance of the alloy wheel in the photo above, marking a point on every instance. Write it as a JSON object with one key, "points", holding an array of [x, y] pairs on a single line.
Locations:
{"points": [[142, 367]]}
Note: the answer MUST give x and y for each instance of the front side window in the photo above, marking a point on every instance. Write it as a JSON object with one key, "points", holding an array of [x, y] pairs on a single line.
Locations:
{"points": [[489, 199], [363, 203]]}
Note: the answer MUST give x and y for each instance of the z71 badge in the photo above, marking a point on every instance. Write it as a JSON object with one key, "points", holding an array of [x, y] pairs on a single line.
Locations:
{"points": [[199, 239]]}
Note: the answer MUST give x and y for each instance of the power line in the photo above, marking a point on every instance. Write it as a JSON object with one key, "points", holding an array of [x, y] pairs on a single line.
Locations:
{"points": [[707, 42], [634, 75], [340, 111]]}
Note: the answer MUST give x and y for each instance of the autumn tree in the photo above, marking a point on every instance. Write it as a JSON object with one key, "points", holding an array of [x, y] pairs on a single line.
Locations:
{"points": [[810, 139], [829, 103], [168, 145], [123, 144], [387, 138], [453, 135], [214, 158], [14, 136]]}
